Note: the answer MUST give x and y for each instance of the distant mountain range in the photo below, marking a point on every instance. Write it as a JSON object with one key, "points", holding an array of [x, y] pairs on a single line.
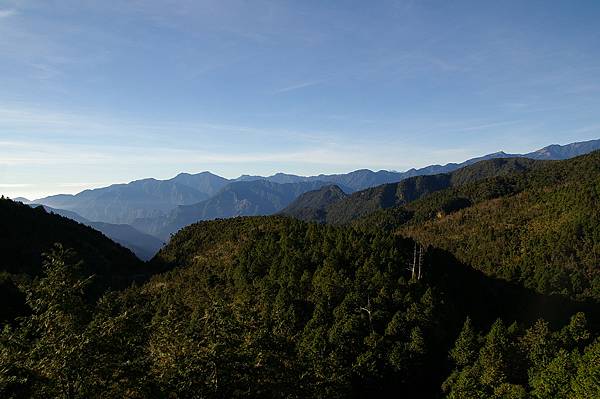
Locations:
{"points": [[365, 178], [331, 205], [241, 198], [144, 246], [123, 203], [160, 207]]}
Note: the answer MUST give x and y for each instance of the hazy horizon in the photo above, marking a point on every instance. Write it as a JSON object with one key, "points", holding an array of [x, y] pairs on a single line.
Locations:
{"points": [[76, 188]]}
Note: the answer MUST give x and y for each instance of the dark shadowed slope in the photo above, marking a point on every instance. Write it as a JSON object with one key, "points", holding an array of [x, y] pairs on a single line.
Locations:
{"points": [[144, 246], [390, 195], [538, 228], [21, 199], [27, 232], [312, 205]]}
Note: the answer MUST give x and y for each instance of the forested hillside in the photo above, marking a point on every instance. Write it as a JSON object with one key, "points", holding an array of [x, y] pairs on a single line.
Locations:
{"points": [[541, 228], [538, 228], [273, 307], [484, 283], [348, 208], [29, 232], [313, 205]]}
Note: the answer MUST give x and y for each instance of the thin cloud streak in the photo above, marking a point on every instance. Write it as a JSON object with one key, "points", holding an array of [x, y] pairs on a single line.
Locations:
{"points": [[15, 185], [7, 13], [345, 157], [299, 86]]}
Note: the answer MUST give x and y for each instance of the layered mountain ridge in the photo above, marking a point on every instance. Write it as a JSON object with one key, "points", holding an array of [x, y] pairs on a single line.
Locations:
{"points": [[160, 207]]}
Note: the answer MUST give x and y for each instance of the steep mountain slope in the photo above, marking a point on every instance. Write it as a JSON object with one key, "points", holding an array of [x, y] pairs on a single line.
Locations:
{"points": [[561, 152], [538, 228], [143, 245], [244, 198], [312, 205], [151, 198], [543, 231], [27, 232], [204, 182], [123, 203], [553, 152], [364, 202]]}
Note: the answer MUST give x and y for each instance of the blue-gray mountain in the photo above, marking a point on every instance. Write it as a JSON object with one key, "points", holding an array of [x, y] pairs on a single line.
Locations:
{"points": [[144, 246], [123, 203], [242, 198], [148, 198], [364, 178], [161, 207]]}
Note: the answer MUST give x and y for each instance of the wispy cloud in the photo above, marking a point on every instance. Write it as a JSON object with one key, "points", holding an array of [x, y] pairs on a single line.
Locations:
{"points": [[7, 13], [73, 125], [14, 185], [485, 126], [299, 86]]}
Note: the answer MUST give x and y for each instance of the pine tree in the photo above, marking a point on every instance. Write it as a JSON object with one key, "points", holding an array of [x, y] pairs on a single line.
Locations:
{"points": [[466, 346]]}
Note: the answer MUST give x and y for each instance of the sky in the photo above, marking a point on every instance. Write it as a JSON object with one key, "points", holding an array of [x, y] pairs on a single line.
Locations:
{"points": [[100, 92]]}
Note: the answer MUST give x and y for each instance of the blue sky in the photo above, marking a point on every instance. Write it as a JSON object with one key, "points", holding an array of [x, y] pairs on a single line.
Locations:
{"points": [[99, 92]]}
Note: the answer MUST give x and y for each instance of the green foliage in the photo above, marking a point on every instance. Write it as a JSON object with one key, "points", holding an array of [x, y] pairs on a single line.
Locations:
{"points": [[63, 349], [465, 348], [372, 200], [586, 383], [275, 307], [333, 303], [534, 363], [28, 232], [536, 227]]}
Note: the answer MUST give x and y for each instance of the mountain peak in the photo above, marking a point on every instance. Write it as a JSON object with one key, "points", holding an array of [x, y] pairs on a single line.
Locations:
{"points": [[312, 205]]}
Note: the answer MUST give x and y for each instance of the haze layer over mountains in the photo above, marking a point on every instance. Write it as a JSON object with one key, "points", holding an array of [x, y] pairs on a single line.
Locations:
{"points": [[143, 214]]}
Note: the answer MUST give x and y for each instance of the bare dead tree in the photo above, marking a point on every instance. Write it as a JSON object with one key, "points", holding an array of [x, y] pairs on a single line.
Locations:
{"points": [[414, 265], [368, 310], [420, 261]]}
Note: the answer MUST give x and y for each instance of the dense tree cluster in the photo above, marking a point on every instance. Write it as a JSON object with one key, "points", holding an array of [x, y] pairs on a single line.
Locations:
{"points": [[540, 228], [276, 307], [512, 362], [259, 307], [317, 310], [28, 232]]}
